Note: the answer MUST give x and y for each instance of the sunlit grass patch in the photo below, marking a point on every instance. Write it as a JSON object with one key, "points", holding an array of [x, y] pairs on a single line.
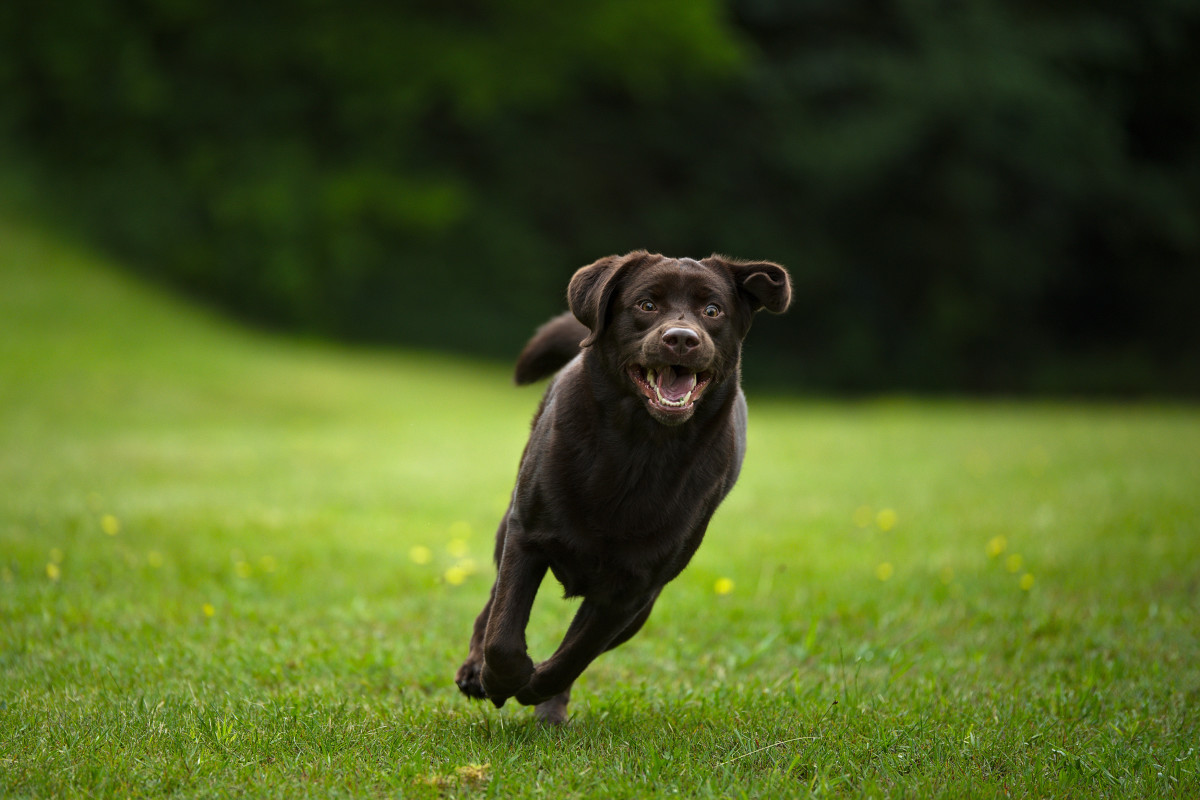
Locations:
{"points": [[231, 564]]}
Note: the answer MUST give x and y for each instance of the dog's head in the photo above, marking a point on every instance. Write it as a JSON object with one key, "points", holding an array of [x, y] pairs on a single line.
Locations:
{"points": [[673, 328]]}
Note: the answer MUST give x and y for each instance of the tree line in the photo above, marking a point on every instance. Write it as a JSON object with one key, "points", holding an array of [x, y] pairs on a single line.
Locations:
{"points": [[985, 196]]}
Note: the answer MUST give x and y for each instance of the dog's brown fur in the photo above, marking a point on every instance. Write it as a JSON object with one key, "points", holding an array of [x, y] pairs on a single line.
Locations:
{"points": [[638, 439]]}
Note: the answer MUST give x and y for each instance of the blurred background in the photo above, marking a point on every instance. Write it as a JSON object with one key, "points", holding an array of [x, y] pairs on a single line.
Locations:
{"points": [[972, 196]]}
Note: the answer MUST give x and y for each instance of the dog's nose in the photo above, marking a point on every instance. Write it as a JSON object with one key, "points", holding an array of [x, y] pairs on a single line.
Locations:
{"points": [[681, 341]]}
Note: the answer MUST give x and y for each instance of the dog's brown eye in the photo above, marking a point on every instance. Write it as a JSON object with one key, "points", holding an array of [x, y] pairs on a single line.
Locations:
{"points": [[646, 305], [712, 310]]}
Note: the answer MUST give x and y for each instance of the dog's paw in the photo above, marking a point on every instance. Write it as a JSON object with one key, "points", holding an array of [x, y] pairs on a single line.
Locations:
{"points": [[542, 687], [528, 697], [469, 681], [553, 712], [499, 685]]}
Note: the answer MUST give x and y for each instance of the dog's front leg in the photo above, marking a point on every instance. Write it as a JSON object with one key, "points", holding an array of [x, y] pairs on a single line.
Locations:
{"points": [[594, 629], [506, 664]]}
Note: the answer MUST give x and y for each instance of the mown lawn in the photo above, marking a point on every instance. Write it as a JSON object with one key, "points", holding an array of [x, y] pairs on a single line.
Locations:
{"points": [[234, 564]]}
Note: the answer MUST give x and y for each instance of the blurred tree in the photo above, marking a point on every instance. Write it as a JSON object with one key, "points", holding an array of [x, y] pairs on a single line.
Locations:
{"points": [[983, 195], [310, 163]]}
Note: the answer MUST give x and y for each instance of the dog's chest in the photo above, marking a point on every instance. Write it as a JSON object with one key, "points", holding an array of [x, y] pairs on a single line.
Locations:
{"points": [[626, 540], [616, 574]]}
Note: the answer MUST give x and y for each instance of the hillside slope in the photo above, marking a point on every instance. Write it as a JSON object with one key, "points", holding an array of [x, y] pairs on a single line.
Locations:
{"points": [[236, 564]]}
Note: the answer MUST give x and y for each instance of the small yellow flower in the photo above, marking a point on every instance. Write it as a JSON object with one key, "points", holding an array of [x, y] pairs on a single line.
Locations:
{"points": [[53, 572], [884, 571], [457, 547], [862, 516], [110, 525], [886, 519], [996, 545], [1026, 582], [455, 575], [723, 586], [1013, 563], [208, 609], [420, 554], [242, 569]]}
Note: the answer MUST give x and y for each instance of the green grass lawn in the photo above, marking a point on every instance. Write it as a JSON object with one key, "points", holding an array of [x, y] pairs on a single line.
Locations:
{"points": [[234, 564]]}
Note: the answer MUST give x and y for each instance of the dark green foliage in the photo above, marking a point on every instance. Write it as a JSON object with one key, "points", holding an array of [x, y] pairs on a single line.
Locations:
{"points": [[983, 195]]}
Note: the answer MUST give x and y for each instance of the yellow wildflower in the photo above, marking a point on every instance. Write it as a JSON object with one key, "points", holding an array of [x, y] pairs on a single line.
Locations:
{"points": [[996, 545]]}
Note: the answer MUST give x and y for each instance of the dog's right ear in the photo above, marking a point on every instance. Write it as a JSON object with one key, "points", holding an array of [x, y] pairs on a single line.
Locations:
{"points": [[592, 287]]}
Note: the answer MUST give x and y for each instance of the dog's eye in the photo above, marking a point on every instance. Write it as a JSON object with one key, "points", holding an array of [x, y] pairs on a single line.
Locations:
{"points": [[646, 305], [712, 310]]}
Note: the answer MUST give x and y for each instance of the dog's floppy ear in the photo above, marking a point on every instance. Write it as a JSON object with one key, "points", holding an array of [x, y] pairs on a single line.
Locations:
{"points": [[591, 289], [764, 283]]}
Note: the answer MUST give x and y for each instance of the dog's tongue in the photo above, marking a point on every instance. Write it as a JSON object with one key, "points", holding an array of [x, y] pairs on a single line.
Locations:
{"points": [[674, 384]]}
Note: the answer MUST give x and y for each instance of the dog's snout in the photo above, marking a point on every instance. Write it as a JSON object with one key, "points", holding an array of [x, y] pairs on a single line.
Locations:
{"points": [[681, 341]]}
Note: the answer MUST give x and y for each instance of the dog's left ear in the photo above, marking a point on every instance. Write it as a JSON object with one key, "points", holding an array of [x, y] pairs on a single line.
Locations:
{"points": [[591, 289], [764, 283]]}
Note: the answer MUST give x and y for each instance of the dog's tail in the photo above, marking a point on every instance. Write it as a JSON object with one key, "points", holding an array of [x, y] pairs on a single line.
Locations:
{"points": [[552, 346]]}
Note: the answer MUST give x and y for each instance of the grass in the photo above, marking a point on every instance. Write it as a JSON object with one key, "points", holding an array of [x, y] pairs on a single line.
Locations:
{"points": [[232, 564]]}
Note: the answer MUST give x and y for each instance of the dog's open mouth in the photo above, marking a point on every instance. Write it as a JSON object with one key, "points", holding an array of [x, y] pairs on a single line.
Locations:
{"points": [[670, 389]]}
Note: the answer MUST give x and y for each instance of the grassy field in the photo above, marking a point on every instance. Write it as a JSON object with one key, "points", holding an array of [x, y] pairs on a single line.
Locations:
{"points": [[233, 564]]}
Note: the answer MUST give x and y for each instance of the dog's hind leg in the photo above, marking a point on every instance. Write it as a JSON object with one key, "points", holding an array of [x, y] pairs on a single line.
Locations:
{"points": [[597, 627], [554, 710]]}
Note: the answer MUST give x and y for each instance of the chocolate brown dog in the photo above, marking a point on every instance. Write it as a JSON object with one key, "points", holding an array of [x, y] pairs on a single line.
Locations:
{"points": [[638, 439]]}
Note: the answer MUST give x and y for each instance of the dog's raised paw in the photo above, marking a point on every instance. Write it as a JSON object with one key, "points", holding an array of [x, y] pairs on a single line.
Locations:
{"points": [[468, 680]]}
